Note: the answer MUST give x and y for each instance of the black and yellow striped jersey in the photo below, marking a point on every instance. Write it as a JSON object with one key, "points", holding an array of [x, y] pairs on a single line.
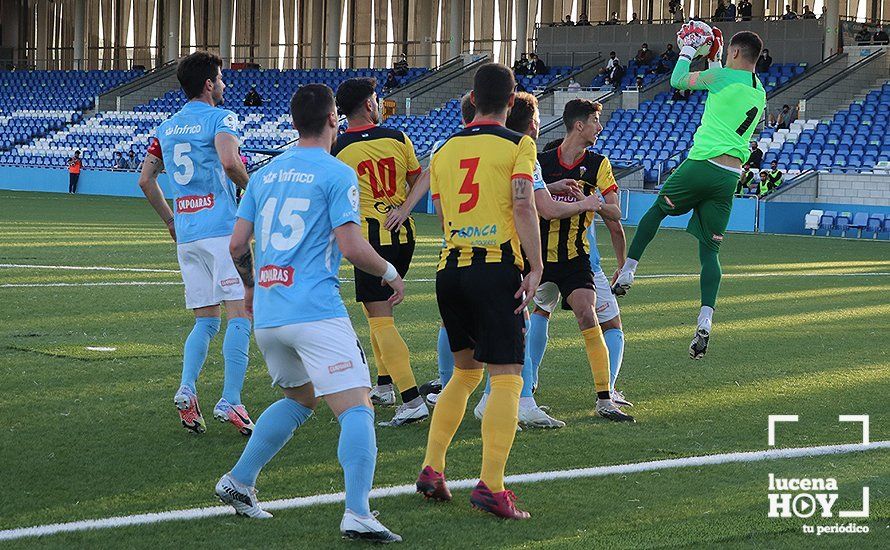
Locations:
{"points": [[382, 158], [566, 239], [471, 175]]}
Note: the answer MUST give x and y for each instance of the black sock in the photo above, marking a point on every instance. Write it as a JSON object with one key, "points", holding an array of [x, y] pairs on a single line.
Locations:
{"points": [[384, 380], [410, 394], [603, 395]]}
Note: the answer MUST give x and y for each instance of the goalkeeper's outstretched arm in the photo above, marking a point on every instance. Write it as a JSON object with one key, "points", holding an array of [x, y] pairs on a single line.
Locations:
{"points": [[682, 79]]}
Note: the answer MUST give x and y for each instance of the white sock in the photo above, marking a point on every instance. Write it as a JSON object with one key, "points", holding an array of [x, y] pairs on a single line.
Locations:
{"points": [[527, 402], [630, 265], [704, 318]]}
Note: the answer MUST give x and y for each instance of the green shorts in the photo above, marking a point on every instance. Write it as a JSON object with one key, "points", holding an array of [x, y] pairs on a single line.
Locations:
{"points": [[707, 190]]}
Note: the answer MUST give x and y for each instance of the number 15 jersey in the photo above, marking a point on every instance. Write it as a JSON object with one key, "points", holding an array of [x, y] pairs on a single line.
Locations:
{"points": [[295, 203], [203, 197], [383, 159], [471, 175]]}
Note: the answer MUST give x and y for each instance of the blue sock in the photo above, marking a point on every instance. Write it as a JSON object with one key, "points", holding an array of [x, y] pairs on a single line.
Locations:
{"points": [[194, 353], [446, 358], [357, 452], [615, 342], [235, 347], [537, 336], [272, 430]]}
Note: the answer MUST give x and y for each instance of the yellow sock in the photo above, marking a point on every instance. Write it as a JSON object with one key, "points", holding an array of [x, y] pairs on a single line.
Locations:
{"points": [[448, 414], [393, 359], [598, 356], [499, 428], [381, 368]]}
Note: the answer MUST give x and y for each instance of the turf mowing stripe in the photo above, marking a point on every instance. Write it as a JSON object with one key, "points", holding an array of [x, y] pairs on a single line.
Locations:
{"points": [[401, 490], [347, 280], [91, 268]]}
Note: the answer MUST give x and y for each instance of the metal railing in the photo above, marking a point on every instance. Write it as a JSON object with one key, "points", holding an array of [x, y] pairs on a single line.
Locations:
{"points": [[808, 72], [449, 73], [843, 74], [670, 20], [147, 78]]}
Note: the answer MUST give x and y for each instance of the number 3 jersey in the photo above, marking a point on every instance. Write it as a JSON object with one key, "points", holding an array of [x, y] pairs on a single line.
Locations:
{"points": [[295, 203], [203, 197], [383, 159]]}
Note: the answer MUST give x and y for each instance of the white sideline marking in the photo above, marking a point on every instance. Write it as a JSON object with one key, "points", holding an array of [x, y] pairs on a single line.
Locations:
{"points": [[400, 490], [347, 280], [91, 268]]}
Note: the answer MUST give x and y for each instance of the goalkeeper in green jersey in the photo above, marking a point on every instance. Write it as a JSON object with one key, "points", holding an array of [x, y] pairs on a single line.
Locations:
{"points": [[705, 182]]}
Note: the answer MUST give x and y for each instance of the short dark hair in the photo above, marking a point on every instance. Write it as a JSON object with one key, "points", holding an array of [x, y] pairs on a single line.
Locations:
{"points": [[195, 70], [493, 85], [467, 109], [353, 92], [522, 112], [309, 108], [579, 109], [749, 43]]}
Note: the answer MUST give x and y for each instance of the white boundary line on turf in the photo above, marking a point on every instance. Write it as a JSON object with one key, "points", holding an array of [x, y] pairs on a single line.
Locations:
{"points": [[347, 280], [401, 490], [90, 268]]}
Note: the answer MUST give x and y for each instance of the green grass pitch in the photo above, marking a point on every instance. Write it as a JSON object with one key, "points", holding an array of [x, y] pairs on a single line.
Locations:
{"points": [[801, 328]]}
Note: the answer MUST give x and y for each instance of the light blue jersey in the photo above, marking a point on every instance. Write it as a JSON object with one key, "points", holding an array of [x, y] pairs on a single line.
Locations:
{"points": [[538, 178], [295, 203], [594, 250], [203, 197]]}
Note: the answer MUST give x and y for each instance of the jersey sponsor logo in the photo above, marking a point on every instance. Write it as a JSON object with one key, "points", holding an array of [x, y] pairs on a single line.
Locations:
{"points": [[603, 307], [340, 367], [289, 176], [271, 275], [472, 231], [178, 130], [564, 198], [231, 121], [382, 207], [190, 204], [231, 281], [354, 198]]}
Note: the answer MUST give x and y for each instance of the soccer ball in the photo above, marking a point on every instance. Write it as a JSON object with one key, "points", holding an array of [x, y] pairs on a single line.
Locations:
{"points": [[694, 32]]}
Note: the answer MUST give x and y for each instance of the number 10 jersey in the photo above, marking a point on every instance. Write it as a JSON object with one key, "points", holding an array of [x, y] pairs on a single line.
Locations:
{"points": [[203, 196]]}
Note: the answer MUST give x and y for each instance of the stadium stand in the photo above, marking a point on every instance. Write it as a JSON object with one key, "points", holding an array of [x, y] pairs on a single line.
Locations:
{"points": [[837, 224], [100, 136], [35, 103]]}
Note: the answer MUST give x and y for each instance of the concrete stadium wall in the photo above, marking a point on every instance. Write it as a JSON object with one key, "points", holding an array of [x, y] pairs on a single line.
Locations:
{"points": [[788, 41], [788, 217], [92, 182], [864, 189]]}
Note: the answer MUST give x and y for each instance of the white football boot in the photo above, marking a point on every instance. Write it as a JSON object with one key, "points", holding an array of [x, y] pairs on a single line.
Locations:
{"points": [[240, 497], [383, 396], [356, 527], [623, 283], [408, 413], [607, 409], [536, 417], [619, 399]]}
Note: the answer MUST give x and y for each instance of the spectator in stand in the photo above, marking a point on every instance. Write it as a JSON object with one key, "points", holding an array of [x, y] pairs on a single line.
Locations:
{"points": [[790, 14], [634, 19], [760, 188], [670, 54], [764, 62], [771, 121], [567, 22], [756, 157], [677, 13], [745, 180], [681, 96], [400, 67], [720, 11], [730, 11], [537, 63], [120, 163], [573, 86], [881, 37], [132, 161], [583, 21], [775, 176], [521, 66], [666, 61], [745, 10], [639, 82], [75, 164], [807, 13], [253, 98], [644, 55], [616, 75], [391, 81], [786, 116], [614, 20], [613, 60], [863, 37]]}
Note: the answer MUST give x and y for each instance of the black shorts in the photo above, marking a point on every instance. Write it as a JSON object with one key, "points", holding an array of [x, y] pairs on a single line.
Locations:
{"points": [[477, 306], [368, 287], [569, 276]]}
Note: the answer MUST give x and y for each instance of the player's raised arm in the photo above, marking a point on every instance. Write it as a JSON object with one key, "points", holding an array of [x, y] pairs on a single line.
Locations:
{"points": [[148, 182], [691, 38]]}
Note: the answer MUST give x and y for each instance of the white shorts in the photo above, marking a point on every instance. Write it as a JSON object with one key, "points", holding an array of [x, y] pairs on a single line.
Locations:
{"points": [[208, 272], [547, 298], [326, 353]]}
